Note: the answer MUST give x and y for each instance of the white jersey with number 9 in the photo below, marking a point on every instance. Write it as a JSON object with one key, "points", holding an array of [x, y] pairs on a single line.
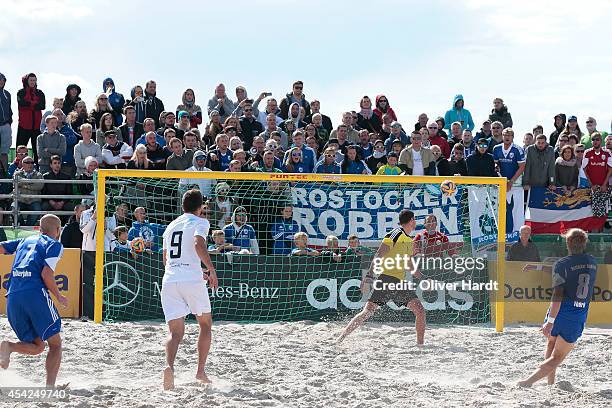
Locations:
{"points": [[182, 261]]}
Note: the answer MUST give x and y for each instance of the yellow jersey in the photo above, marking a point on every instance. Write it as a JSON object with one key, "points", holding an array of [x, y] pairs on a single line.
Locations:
{"points": [[401, 244]]}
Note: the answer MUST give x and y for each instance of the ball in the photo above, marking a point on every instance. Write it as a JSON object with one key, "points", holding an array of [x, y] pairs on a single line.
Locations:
{"points": [[138, 245], [448, 188]]}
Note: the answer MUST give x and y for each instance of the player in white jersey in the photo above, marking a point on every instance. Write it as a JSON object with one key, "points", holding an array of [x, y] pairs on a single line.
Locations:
{"points": [[184, 283]]}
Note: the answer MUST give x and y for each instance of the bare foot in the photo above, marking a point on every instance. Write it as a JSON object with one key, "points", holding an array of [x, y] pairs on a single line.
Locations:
{"points": [[168, 378], [5, 354], [203, 378], [524, 384]]}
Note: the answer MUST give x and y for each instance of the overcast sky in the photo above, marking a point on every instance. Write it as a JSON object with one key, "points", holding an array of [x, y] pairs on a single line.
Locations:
{"points": [[542, 57]]}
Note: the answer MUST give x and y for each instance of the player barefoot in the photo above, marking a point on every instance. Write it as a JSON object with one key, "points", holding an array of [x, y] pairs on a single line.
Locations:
{"points": [[397, 242], [29, 309], [573, 279], [184, 284]]}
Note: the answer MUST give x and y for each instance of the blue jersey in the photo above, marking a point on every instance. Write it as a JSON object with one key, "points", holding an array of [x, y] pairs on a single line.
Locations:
{"points": [[297, 168], [508, 161], [576, 275], [333, 168], [240, 236], [32, 254], [148, 232], [225, 159], [282, 234]]}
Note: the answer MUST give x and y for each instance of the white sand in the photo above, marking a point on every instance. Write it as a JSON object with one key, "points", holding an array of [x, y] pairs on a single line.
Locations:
{"points": [[297, 365]]}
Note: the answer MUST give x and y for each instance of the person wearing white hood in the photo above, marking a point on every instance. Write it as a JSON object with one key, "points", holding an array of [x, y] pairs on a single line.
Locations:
{"points": [[241, 234], [204, 185]]}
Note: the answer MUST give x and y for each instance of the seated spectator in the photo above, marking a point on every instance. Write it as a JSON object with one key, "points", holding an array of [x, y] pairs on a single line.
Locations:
{"points": [[49, 143], [524, 250], [72, 139], [300, 241], [79, 117], [293, 121], [24, 179], [86, 148], [220, 158], [106, 124], [500, 113], [234, 141], [115, 154], [539, 165], [322, 132], [442, 166], [194, 112], [155, 152], [241, 234], [436, 140], [333, 248], [220, 246], [271, 127], [256, 152], [181, 159], [328, 164], [150, 233], [283, 231], [355, 247], [293, 162], [169, 123], [366, 148], [72, 237], [269, 163], [115, 100], [456, 134], [57, 189], [322, 120], [139, 160], [441, 125], [425, 134], [422, 121], [391, 168], [91, 165], [184, 121], [396, 134], [457, 165], [204, 185], [352, 163], [566, 169], [417, 160], [131, 130], [20, 153], [57, 104], [149, 126], [378, 157], [351, 135], [235, 166], [313, 143], [308, 155], [120, 242], [481, 163], [221, 103]]}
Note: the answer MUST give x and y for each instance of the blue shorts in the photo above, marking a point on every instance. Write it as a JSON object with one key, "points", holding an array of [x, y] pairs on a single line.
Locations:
{"points": [[32, 315], [569, 330]]}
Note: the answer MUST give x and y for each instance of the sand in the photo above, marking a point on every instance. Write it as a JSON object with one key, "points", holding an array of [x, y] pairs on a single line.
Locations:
{"points": [[298, 365]]}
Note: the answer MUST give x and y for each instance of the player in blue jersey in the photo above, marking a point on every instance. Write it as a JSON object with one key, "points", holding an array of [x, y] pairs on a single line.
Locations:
{"points": [[573, 281], [29, 307], [283, 231]]}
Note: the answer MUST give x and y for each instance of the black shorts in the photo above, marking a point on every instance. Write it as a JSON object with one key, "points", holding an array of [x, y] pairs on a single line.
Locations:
{"points": [[382, 295]]}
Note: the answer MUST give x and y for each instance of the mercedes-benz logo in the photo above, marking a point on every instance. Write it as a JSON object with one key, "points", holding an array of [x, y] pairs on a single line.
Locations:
{"points": [[121, 270]]}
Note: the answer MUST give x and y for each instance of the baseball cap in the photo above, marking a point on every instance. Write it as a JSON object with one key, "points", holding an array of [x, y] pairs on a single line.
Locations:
{"points": [[393, 154], [395, 124], [87, 201], [482, 140], [574, 118], [487, 121], [183, 113], [200, 156], [110, 133]]}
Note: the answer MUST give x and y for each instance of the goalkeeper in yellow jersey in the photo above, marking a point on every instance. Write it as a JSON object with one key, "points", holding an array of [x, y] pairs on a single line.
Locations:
{"points": [[392, 260]]}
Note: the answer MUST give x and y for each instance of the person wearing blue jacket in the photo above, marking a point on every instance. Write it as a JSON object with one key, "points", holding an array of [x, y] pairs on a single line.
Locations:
{"points": [[458, 114], [151, 233], [283, 231], [241, 234], [115, 99], [72, 139]]}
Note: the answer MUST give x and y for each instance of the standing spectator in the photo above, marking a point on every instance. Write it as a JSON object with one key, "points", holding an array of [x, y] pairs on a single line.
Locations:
{"points": [[57, 104], [524, 250], [559, 123], [115, 100], [500, 113], [30, 103], [249, 124], [153, 105], [481, 163], [80, 116], [366, 119], [415, 159], [138, 103], [169, 123], [213, 128], [422, 121], [436, 140], [72, 138], [597, 165], [24, 179], [101, 107], [293, 161], [296, 96], [566, 169], [442, 167], [572, 127], [562, 141], [59, 189], [271, 127], [539, 165], [467, 143], [72, 97], [139, 160], [591, 125], [328, 165], [459, 114], [150, 233], [510, 159], [283, 230], [115, 154], [457, 165], [131, 130], [271, 108], [241, 99], [221, 103], [538, 130], [391, 168], [91, 165], [485, 130], [72, 237], [579, 150], [189, 106], [85, 148], [378, 157], [496, 135], [49, 143], [528, 140], [6, 119], [104, 125], [441, 125], [241, 234], [326, 123], [20, 153], [397, 133], [383, 107], [180, 159]]}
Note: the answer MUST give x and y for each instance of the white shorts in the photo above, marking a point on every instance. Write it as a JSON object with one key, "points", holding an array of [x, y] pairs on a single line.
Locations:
{"points": [[181, 298]]}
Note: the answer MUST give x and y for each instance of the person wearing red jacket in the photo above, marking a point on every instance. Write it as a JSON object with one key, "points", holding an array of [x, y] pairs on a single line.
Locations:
{"points": [[31, 103], [382, 107]]}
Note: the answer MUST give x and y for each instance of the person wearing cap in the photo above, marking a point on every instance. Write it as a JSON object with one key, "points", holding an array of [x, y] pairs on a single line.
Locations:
{"points": [[481, 163], [184, 121], [485, 130], [415, 159], [559, 124], [500, 113], [115, 154], [72, 97], [23, 179], [458, 113], [591, 126], [436, 140], [169, 123], [391, 168], [49, 143], [397, 133], [193, 111], [378, 157], [6, 119], [572, 127], [241, 234]]}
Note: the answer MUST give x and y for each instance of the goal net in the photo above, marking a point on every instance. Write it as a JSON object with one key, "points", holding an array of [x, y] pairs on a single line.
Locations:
{"points": [[254, 218]]}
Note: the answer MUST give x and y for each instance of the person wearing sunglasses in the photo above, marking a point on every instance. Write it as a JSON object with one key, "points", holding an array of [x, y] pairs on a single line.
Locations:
{"points": [[481, 163], [383, 108], [591, 126], [308, 155], [485, 130], [597, 165], [436, 140], [294, 162], [295, 96], [328, 164]]}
